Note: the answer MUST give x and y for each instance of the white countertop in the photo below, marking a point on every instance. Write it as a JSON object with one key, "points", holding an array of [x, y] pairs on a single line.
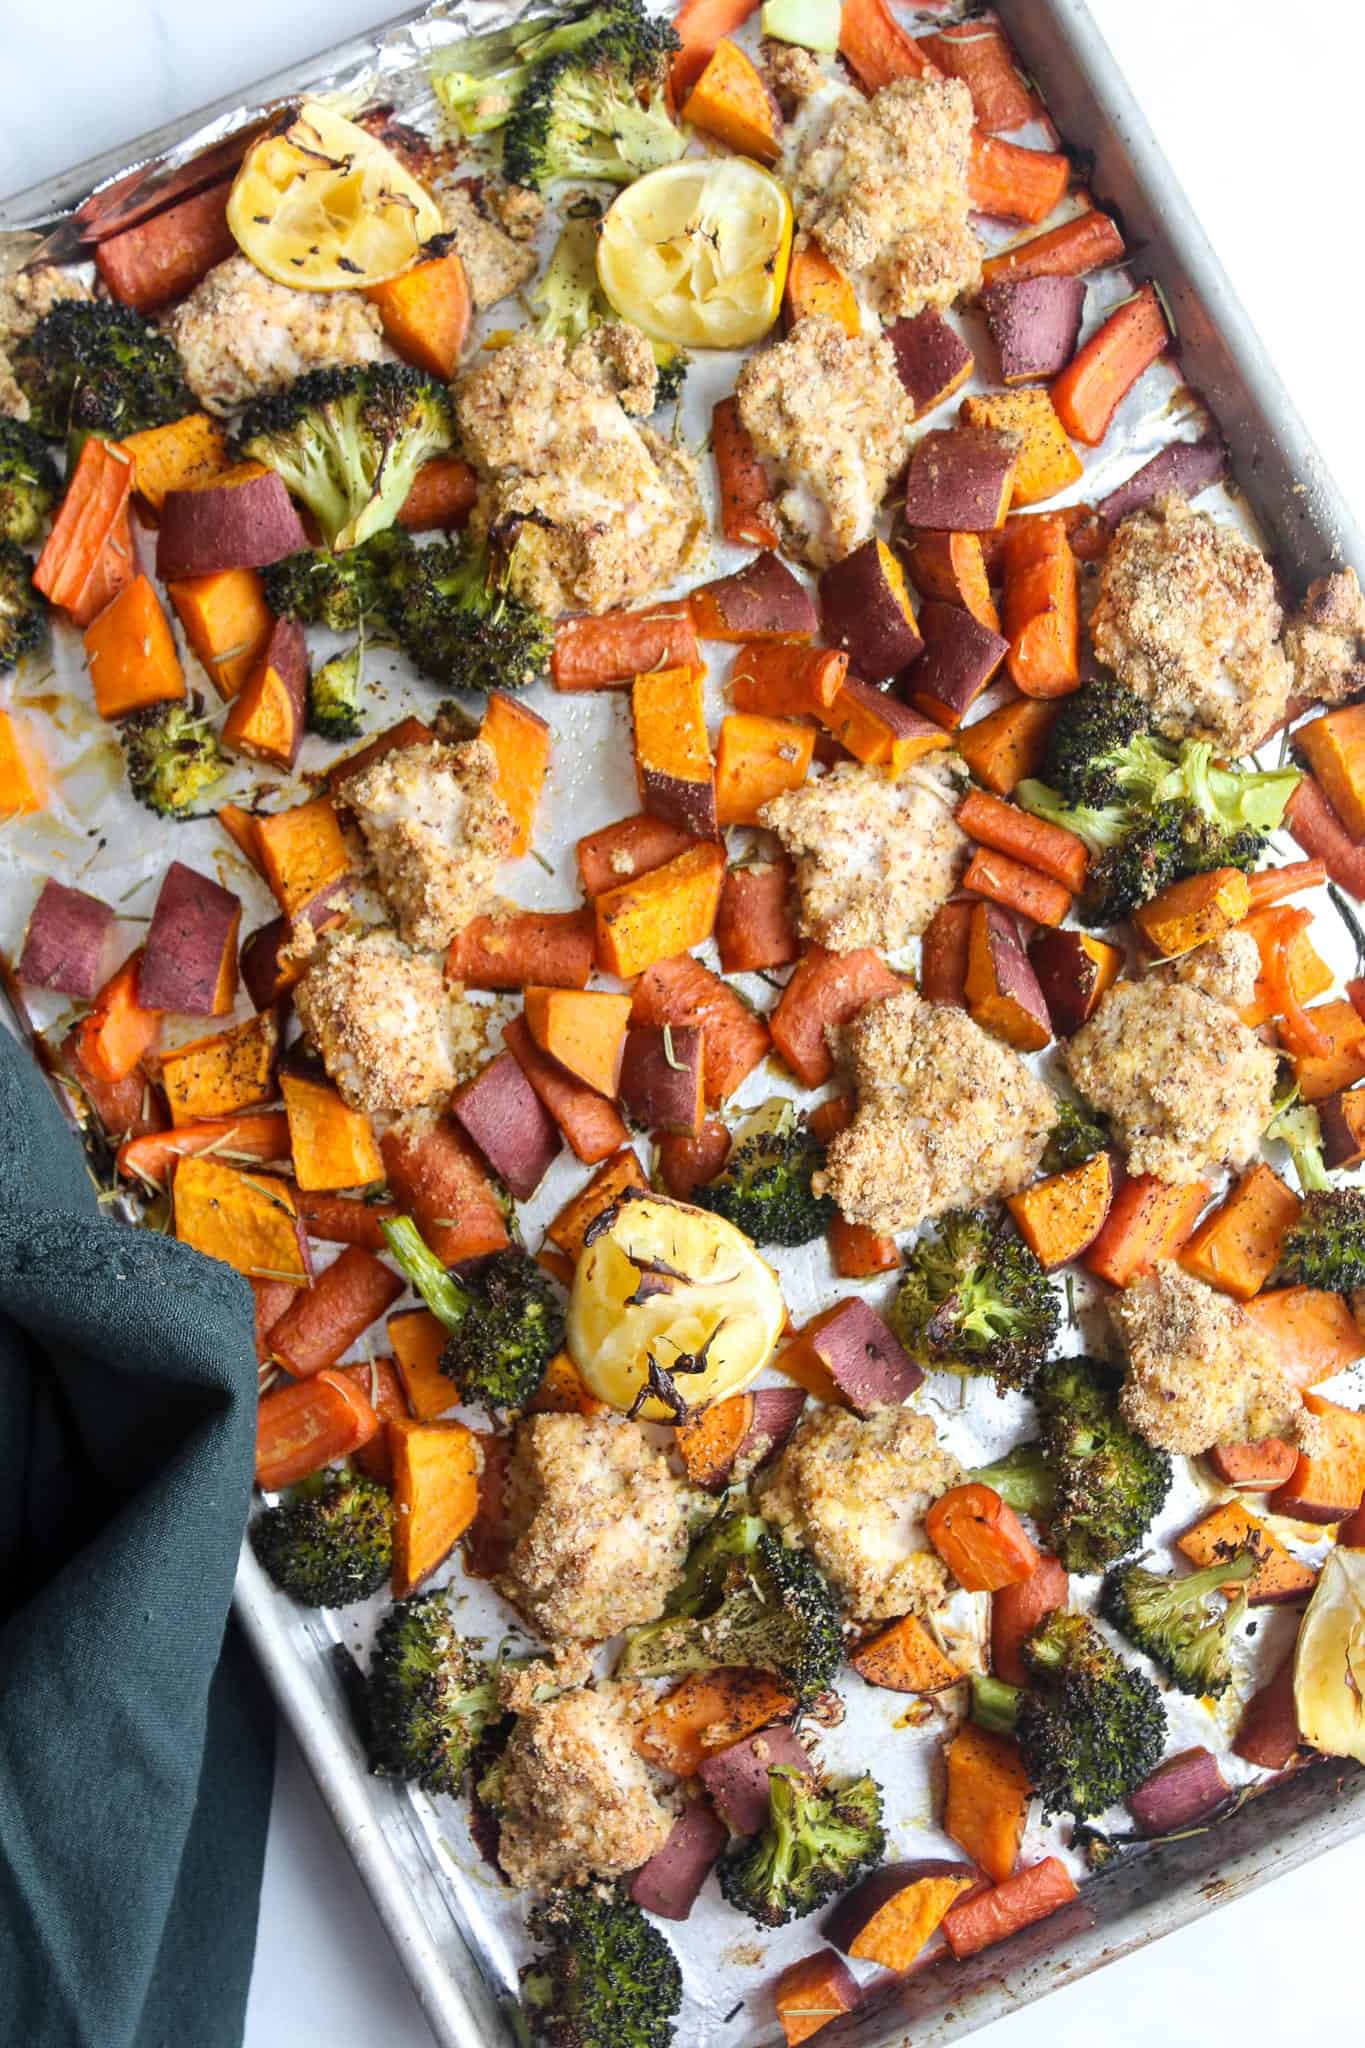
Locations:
{"points": [[1257, 103]]}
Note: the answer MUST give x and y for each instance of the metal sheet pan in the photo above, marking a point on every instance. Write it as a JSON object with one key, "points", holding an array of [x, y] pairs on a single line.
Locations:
{"points": [[1301, 511]]}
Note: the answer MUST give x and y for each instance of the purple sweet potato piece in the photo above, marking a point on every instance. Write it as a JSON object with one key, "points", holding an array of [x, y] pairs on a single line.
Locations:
{"points": [[501, 1112], [846, 1921], [1180, 1792], [669, 1883], [777, 1410], [761, 601], [241, 522], [661, 1084], [1035, 323], [1188, 466], [259, 963], [960, 479], [932, 359], [737, 1777], [960, 657], [867, 613], [190, 940], [68, 943], [863, 1359], [1269, 1732]]}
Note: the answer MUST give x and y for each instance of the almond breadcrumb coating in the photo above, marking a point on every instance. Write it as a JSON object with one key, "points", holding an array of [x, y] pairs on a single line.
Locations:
{"points": [[883, 190], [239, 334], [1186, 1084], [495, 263], [596, 510], [1325, 640], [436, 830], [947, 1117], [1226, 968], [1200, 1371], [875, 855], [854, 1491], [616, 357], [576, 1799], [830, 417], [599, 1526], [1188, 619], [390, 1033]]}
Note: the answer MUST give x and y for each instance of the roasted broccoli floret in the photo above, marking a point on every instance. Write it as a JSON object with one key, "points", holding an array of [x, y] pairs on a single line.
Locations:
{"points": [[1299, 1128], [330, 1541], [1094, 1482], [334, 697], [23, 613], [745, 1600], [599, 111], [172, 756], [571, 302], [607, 1979], [1089, 738], [480, 79], [459, 624], [350, 441], [1074, 1138], [90, 367], [818, 1839], [974, 1299], [764, 1187], [347, 593], [430, 1698], [1179, 1623], [1325, 1246], [505, 1324], [28, 481]]}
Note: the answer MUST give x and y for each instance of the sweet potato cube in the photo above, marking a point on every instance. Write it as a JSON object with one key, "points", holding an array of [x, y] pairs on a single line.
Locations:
{"points": [[130, 652], [817, 288], [69, 942], [1335, 748], [176, 457], [302, 852], [1343, 1064], [863, 1359], [731, 101], [227, 623], [960, 657], [436, 1467], [952, 568], [217, 1076], [267, 717], [189, 961], [987, 1800], [24, 782], [878, 729], [247, 1220], [662, 1077], [757, 758], [665, 912], [673, 766], [961, 479], [708, 1712], [1007, 744], [1035, 323], [1254, 1468], [681, 991], [1342, 1117], [810, 1993], [332, 1146], [240, 518], [1328, 1480], [584, 1029], [567, 1230], [563, 1391], [1060, 1216], [501, 1112], [1237, 1248], [1047, 463], [1042, 607], [1002, 990], [866, 611], [426, 313], [521, 743], [418, 1340], [932, 359], [762, 601], [1192, 911], [904, 1658], [1074, 969], [1232, 1527], [1149, 1220]]}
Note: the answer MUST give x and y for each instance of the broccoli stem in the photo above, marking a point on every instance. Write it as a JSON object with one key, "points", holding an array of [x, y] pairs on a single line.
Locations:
{"points": [[417, 1262], [994, 1705], [1023, 1481]]}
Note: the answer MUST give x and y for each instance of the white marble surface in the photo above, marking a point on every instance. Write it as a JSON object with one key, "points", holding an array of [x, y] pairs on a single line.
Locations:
{"points": [[1257, 103]]}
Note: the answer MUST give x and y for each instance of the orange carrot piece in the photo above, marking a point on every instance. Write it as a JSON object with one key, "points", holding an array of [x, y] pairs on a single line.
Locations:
{"points": [[1007, 744], [709, 1711], [1019, 888], [824, 992], [1272, 885], [1042, 608], [980, 1538], [1238, 1247], [1320, 832], [987, 1799], [1029, 1895], [858, 1253], [745, 493], [117, 1031], [597, 653], [383, 1389], [165, 255], [130, 652], [521, 742], [1106, 368], [1292, 969], [326, 1319], [442, 496], [92, 513], [488, 1540], [1087, 242], [1014, 183], [426, 313], [754, 927], [1313, 1331], [1149, 1221], [437, 1178], [788, 682], [261, 1135], [817, 287], [628, 849], [904, 1658], [1049, 848], [1016, 1612], [342, 1219], [506, 950], [978, 54], [681, 991], [877, 49], [700, 25], [301, 1428]]}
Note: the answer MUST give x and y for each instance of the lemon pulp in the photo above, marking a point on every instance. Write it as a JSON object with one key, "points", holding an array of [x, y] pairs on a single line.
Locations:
{"points": [[1329, 1662], [696, 253]]}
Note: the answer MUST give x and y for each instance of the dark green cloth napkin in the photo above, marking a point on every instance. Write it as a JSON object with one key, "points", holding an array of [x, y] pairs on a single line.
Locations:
{"points": [[135, 1736]]}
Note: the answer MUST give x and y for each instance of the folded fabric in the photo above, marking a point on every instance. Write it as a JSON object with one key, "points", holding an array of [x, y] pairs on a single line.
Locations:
{"points": [[135, 1735]]}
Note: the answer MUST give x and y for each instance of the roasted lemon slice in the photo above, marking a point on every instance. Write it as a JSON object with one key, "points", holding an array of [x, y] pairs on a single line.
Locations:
{"points": [[325, 207], [696, 253], [667, 1283], [1329, 1663]]}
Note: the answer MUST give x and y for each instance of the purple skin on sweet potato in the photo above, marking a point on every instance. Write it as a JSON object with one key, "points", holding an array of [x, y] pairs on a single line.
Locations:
{"points": [[194, 923], [867, 1365], [1013, 976], [1269, 1733], [1185, 466], [1180, 1792], [777, 1411], [68, 944], [659, 1092], [932, 359], [501, 1112], [669, 1883], [1069, 979], [1035, 323], [846, 1920], [245, 525], [960, 479], [689, 805], [902, 720], [1342, 1117], [863, 614], [737, 1777], [960, 657], [764, 597], [258, 964]]}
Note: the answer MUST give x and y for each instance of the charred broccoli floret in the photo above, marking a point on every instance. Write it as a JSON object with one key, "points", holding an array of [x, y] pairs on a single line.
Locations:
{"points": [[745, 1600], [1089, 740], [347, 593], [28, 481], [1074, 1138], [505, 1324], [330, 1541], [1325, 1246], [172, 756], [430, 1698], [1179, 1623], [480, 79], [334, 697], [23, 614], [974, 1299], [570, 303], [1092, 1481], [349, 442], [607, 1979], [764, 1187], [818, 1839], [459, 624], [90, 367], [598, 111]]}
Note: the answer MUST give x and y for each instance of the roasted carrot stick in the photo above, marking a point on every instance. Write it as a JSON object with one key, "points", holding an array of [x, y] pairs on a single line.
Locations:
{"points": [[744, 488], [988, 1917], [1018, 887], [597, 653], [980, 1539], [1014, 183], [301, 1428], [324, 1321], [118, 1031], [1049, 848], [1068, 251], [1102, 373], [1272, 885], [877, 49], [258, 1135], [978, 54]]}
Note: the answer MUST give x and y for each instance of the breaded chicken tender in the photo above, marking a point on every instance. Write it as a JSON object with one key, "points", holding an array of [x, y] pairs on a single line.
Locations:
{"points": [[828, 414], [576, 1800], [947, 1117], [854, 1491], [1200, 1370], [793, 74], [239, 334], [883, 190], [599, 1526], [1325, 640], [601, 511], [1226, 968], [436, 830], [390, 1033], [1188, 619], [616, 357], [1186, 1084], [495, 263], [875, 855]]}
